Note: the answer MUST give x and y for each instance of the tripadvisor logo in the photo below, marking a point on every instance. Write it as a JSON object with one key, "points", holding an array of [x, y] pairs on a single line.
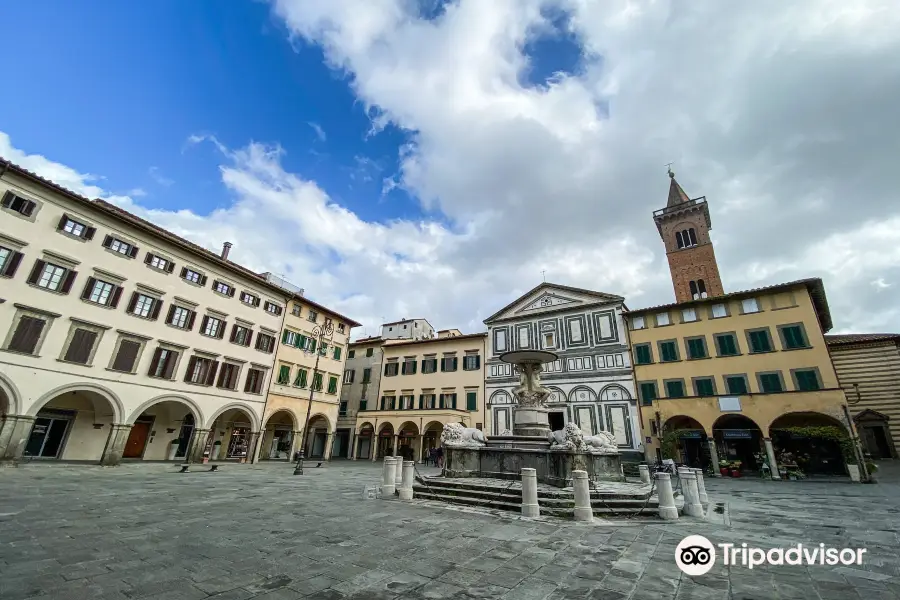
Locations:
{"points": [[696, 555]]}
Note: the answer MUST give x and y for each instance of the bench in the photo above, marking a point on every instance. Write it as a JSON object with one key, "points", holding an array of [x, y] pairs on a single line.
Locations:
{"points": [[185, 467]]}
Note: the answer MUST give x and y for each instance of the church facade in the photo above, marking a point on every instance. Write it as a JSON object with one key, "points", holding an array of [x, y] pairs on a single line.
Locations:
{"points": [[591, 382]]}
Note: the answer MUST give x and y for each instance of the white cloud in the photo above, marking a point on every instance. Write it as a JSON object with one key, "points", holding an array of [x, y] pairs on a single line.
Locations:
{"points": [[157, 176], [320, 133]]}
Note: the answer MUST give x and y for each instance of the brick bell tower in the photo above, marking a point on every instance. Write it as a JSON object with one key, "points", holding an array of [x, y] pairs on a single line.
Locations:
{"points": [[684, 226]]}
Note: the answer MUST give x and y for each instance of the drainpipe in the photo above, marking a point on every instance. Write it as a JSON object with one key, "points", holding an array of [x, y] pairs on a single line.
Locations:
{"points": [[860, 459]]}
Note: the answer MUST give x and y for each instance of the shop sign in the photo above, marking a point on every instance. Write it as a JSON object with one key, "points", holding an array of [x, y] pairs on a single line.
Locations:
{"points": [[744, 434], [690, 433]]}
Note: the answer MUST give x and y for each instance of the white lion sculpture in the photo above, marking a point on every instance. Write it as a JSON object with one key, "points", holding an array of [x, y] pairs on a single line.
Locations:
{"points": [[458, 436], [571, 438], [602, 442]]}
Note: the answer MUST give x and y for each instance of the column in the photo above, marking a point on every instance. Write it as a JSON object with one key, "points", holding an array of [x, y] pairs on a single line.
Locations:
{"points": [[373, 446], [198, 445], [296, 444], [770, 455], [351, 444], [396, 444], [253, 445], [583, 509], [714, 457], [115, 445], [329, 442], [665, 497], [354, 446], [14, 432], [419, 453], [530, 507], [406, 484]]}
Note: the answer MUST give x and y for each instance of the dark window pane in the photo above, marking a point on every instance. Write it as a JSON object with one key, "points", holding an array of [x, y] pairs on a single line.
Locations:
{"points": [[27, 334], [128, 351], [79, 350]]}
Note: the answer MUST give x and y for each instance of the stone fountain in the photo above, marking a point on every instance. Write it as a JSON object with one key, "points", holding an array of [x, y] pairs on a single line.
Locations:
{"points": [[553, 454]]}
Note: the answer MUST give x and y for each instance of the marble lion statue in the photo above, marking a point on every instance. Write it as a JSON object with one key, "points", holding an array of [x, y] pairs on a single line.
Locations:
{"points": [[457, 435], [604, 441], [569, 437]]}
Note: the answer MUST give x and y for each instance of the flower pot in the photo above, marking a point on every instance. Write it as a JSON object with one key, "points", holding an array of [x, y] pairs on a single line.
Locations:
{"points": [[736, 474], [723, 471], [173, 449], [854, 473]]}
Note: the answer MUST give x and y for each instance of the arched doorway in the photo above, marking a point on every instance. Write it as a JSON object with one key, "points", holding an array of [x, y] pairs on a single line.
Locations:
{"points": [[364, 441], [809, 442], [231, 436], [409, 444], [318, 437], [501, 404], [161, 430], [278, 437], [73, 423], [431, 439], [684, 441], [875, 434], [738, 438], [385, 441]]}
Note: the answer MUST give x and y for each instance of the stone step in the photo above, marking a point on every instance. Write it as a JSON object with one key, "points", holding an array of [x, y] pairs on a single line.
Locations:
{"points": [[632, 509], [561, 494], [468, 501], [513, 496]]}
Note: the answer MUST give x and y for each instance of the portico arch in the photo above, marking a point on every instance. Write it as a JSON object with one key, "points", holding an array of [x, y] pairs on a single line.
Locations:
{"points": [[385, 442], [278, 435], [9, 397], [114, 404], [318, 437], [409, 441], [810, 442], [161, 428], [365, 438], [232, 435], [684, 440], [179, 399], [738, 438]]}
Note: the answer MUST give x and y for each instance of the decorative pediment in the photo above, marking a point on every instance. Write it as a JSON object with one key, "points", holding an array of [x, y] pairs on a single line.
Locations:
{"points": [[548, 297], [548, 300]]}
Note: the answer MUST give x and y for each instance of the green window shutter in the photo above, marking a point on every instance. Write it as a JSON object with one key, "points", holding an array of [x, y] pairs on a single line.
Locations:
{"points": [[667, 349], [648, 393], [301, 378], [393, 402], [770, 382], [403, 368], [424, 365], [704, 387], [759, 341], [793, 337], [455, 363], [284, 336], [413, 366], [443, 364], [471, 401], [736, 385], [675, 389], [727, 345], [421, 401], [642, 354], [477, 361], [363, 404], [441, 401], [386, 369], [337, 353], [312, 344], [384, 403], [323, 350], [332, 385], [351, 354], [696, 348], [284, 374], [453, 400], [367, 375], [807, 381]]}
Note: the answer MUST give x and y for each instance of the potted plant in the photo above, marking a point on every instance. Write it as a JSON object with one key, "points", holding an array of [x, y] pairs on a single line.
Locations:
{"points": [[724, 468], [736, 469], [173, 449]]}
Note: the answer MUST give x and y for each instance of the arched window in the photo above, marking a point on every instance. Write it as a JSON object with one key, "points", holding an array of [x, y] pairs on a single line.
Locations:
{"points": [[693, 287], [679, 239], [701, 287], [692, 236]]}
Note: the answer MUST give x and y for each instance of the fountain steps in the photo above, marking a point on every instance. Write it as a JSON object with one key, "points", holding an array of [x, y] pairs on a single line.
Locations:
{"points": [[513, 488]]}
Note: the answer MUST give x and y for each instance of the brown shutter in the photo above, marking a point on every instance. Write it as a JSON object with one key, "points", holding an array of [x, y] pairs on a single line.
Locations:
{"points": [[28, 208], [27, 334], [12, 263], [89, 233], [190, 368], [88, 288], [114, 297], [170, 266], [233, 332], [211, 373], [156, 354], [256, 301], [62, 222], [107, 241], [171, 314], [202, 280], [215, 283], [68, 281], [249, 337], [7, 199], [190, 320], [148, 258], [231, 292], [132, 252], [36, 271], [222, 330], [133, 302], [157, 306], [80, 347], [171, 361], [249, 380], [183, 272], [128, 350], [204, 323]]}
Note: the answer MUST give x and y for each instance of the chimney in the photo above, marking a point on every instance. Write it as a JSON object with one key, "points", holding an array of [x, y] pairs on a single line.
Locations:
{"points": [[226, 248]]}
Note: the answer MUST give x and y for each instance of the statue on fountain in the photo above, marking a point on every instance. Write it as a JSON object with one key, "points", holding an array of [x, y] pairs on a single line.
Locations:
{"points": [[572, 439], [456, 435], [530, 393]]}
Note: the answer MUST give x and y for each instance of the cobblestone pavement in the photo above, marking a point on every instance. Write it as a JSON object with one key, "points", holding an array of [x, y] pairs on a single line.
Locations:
{"points": [[142, 531]]}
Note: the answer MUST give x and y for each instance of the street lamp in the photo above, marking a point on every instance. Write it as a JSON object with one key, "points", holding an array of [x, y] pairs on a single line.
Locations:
{"points": [[321, 334]]}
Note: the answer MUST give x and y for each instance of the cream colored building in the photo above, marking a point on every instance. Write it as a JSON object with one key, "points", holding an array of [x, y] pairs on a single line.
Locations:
{"points": [[312, 351], [425, 384]]}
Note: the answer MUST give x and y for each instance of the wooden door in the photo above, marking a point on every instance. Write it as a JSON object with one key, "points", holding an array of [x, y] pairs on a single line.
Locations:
{"points": [[137, 439]]}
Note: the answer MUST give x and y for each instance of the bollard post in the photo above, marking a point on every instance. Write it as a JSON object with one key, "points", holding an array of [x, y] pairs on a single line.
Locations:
{"points": [[692, 506], [667, 509], [530, 507], [701, 488], [583, 509], [644, 472], [398, 472], [387, 484], [406, 486]]}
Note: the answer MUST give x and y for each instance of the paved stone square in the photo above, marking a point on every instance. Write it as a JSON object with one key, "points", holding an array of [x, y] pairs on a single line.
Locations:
{"points": [[143, 531]]}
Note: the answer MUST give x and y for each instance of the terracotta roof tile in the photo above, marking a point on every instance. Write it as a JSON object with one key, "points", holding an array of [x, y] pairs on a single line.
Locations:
{"points": [[859, 338]]}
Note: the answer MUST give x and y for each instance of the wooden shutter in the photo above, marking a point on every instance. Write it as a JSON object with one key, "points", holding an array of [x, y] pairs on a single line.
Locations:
{"points": [[203, 323], [455, 364], [157, 306], [148, 258], [62, 222], [27, 334], [115, 296], [68, 281], [133, 302], [443, 364], [471, 401], [154, 362], [231, 291], [202, 280], [249, 338], [170, 266], [190, 320], [7, 199], [184, 272], [190, 368], [421, 401], [12, 263], [221, 332], [171, 314], [171, 361], [132, 252], [126, 356], [233, 332], [88, 288], [36, 271], [477, 361], [89, 233], [107, 241], [79, 350]]}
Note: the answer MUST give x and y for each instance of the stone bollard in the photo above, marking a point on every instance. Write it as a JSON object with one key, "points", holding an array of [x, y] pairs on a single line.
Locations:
{"points": [[406, 486], [692, 506], [582, 485], [398, 472], [667, 509], [530, 506], [387, 483], [701, 487], [644, 472]]}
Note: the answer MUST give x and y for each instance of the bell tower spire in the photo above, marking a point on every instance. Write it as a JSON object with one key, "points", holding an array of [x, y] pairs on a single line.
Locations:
{"points": [[684, 226]]}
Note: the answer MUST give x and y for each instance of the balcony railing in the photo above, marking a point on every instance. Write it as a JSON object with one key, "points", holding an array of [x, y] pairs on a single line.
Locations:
{"points": [[677, 207]]}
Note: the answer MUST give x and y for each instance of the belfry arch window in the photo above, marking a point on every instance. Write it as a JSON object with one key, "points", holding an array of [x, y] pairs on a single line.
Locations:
{"points": [[701, 287], [694, 293], [679, 239], [686, 238], [692, 237]]}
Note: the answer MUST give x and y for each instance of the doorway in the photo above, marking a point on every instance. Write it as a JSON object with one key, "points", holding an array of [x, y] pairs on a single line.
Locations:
{"points": [[47, 436], [237, 445], [876, 442], [557, 420], [137, 438], [184, 436]]}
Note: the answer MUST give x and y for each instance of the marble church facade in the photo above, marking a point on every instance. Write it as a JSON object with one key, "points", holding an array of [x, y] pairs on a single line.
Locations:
{"points": [[591, 382]]}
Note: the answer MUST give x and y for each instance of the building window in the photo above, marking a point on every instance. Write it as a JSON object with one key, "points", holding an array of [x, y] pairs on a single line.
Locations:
{"points": [[212, 327], [9, 261], [342, 409], [408, 367], [181, 317], [312, 316], [806, 380], [449, 364], [300, 379], [429, 365], [126, 355], [643, 354], [549, 340], [351, 354], [675, 388], [337, 353], [349, 374], [726, 344], [27, 334], [120, 247], [52, 277], [193, 276], [295, 309], [273, 308], [241, 335], [341, 328], [367, 375], [228, 376], [575, 333], [18, 204], [471, 401], [284, 375], [447, 400], [688, 315], [332, 384], [662, 319], [220, 287], [76, 228], [770, 382], [265, 343], [736, 384], [647, 391], [81, 346], [323, 349], [253, 383], [101, 292], [317, 382], [696, 348], [749, 305], [201, 370], [718, 311], [637, 322], [249, 299], [759, 341], [142, 305], [793, 337], [704, 386], [471, 362], [500, 340], [668, 351], [158, 262], [370, 352], [162, 365], [391, 369], [701, 287]]}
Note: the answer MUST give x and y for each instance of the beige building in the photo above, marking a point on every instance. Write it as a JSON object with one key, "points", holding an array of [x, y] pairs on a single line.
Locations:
{"points": [[312, 350], [868, 368], [425, 384], [362, 376]]}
